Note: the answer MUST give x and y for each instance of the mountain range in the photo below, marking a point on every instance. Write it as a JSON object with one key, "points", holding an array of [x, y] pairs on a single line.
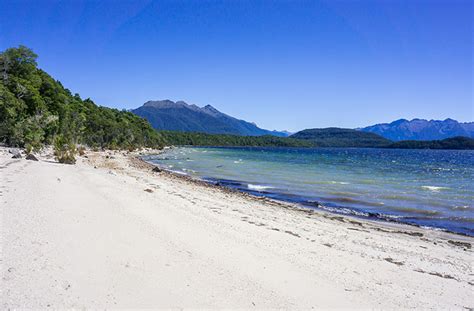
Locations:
{"points": [[183, 117], [419, 129], [180, 116]]}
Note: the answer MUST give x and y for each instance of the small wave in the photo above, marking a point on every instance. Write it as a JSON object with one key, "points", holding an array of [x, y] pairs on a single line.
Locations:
{"points": [[344, 210], [461, 207], [258, 187], [179, 172], [434, 188], [189, 170], [339, 182]]}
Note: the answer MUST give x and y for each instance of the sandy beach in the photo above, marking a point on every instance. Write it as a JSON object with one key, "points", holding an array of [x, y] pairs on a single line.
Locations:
{"points": [[109, 232]]}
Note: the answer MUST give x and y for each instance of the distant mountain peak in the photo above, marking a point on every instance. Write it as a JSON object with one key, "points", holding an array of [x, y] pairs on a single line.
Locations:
{"points": [[450, 120], [159, 103], [210, 109], [399, 121]]}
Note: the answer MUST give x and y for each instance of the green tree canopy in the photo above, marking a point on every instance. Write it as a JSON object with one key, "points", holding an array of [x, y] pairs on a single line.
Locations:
{"points": [[35, 108]]}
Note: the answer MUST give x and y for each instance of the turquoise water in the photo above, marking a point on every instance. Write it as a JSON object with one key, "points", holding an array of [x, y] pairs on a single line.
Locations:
{"points": [[431, 188]]}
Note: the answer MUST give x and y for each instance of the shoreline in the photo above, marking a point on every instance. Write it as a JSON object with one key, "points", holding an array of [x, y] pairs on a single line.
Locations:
{"points": [[298, 205], [109, 232]]}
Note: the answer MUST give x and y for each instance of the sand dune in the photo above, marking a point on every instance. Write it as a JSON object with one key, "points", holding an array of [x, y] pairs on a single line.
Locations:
{"points": [[110, 233]]}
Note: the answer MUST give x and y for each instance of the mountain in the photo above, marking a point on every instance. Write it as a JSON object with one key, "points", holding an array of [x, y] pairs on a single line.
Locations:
{"points": [[180, 116], [419, 129], [340, 137]]}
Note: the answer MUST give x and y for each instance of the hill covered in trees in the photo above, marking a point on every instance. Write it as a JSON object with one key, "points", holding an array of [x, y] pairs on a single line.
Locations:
{"points": [[35, 109], [458, 142], [327, 140], [224, 140], [340, 137]]}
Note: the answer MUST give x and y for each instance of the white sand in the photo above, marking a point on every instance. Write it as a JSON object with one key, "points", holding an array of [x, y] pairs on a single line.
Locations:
{"points": [[85, 237]]}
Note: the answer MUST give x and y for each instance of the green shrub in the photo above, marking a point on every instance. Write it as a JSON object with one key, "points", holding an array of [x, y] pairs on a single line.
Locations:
{"points": [[64, 150], [28, 148]]}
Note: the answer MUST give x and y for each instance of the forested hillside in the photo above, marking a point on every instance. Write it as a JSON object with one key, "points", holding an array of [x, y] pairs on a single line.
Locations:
{"points": [[340, 137], [35, 109], [203, 139], [458, 142]]}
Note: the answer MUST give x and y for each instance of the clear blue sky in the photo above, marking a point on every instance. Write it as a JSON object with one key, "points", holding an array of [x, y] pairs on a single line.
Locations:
{"points": [[282, 64]]}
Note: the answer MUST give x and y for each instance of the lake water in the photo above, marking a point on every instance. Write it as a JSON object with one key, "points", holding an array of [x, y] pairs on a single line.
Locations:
{"points": [[432, 188]]}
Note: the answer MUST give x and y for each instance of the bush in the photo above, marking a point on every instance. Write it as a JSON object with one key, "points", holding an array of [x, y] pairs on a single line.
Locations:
{"points": [[64, 150], [28, 148]]}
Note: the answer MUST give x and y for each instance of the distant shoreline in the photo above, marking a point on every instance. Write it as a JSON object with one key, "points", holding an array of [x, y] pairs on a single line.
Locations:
{"points": [[317, 147], [313, 138]]}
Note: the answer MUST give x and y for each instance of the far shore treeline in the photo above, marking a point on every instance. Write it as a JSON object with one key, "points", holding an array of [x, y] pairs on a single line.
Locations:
{"points": [[333, 140], [225, 140], [36, 110]]}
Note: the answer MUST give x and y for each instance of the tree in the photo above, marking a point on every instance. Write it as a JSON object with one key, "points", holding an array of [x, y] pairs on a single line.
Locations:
{"points": [[35, 108]]}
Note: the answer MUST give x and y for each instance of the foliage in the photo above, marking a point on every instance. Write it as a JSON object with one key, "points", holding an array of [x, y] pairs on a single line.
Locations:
{"points": [[458, 142], [328, 138], [202, 139], [339, 137], [34, 109], [64, 150]]}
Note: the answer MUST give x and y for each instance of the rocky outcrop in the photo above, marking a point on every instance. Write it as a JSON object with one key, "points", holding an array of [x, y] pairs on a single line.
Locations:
{"points": [[31, 157]]}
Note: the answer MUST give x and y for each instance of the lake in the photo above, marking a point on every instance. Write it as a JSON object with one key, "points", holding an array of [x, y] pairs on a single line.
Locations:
{"points": [[430, 188]]}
